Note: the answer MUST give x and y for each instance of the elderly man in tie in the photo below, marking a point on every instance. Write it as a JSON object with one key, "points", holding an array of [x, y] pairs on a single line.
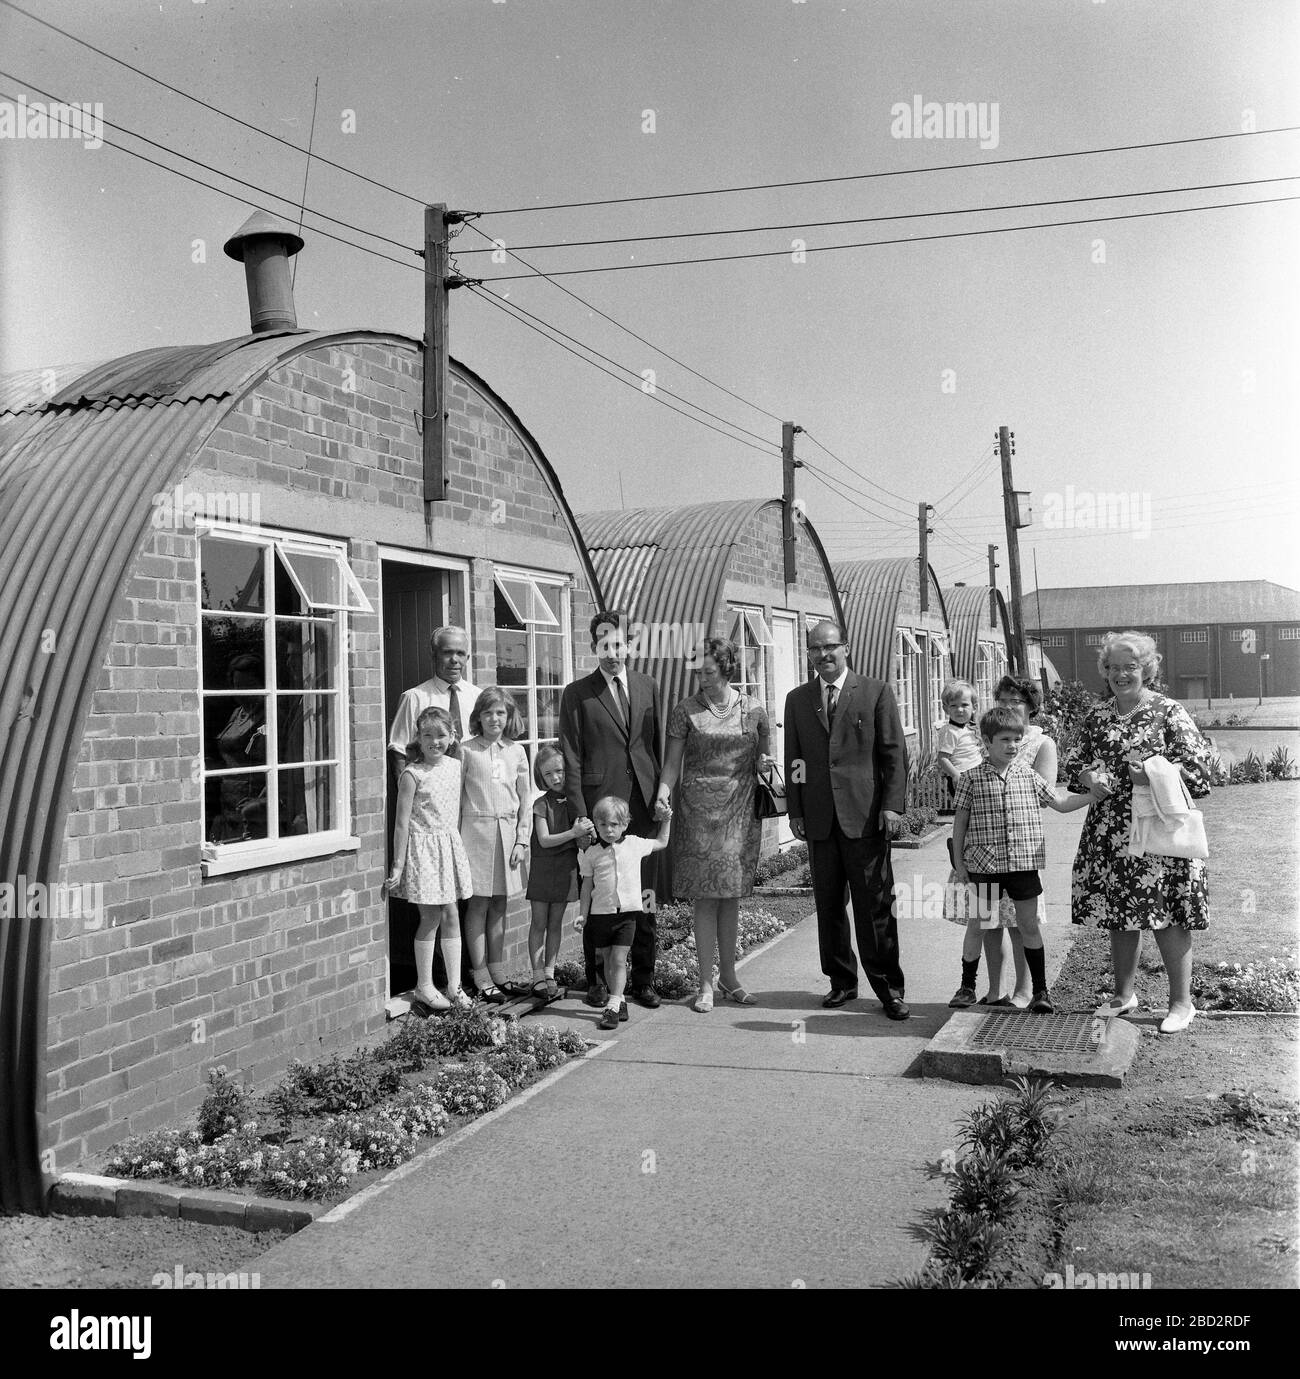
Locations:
{"points": [[446, 689], [846, 777]]}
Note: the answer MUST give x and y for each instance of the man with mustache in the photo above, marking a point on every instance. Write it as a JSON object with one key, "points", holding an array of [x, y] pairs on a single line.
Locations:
{"points": [[846, 777]]}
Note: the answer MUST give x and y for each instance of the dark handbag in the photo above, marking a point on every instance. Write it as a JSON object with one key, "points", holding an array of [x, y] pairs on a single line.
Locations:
{"points": [[769, 795]]}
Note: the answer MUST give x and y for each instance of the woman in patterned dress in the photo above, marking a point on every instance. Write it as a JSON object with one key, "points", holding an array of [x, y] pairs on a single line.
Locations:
{"points": [[1111, 888], [717, 740]]}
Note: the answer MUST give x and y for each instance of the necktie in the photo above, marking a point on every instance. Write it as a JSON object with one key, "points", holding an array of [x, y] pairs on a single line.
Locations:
{"points": [[453, 705], [831, 695], [621, 695]]}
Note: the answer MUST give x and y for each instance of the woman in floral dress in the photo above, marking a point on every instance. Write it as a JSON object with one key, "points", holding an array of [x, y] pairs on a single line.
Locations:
{"points": [[1111, 888], [717, 740]]}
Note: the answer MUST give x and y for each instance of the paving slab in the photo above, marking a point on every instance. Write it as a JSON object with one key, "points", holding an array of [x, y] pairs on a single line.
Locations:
{"points": [[1076, 1048]]}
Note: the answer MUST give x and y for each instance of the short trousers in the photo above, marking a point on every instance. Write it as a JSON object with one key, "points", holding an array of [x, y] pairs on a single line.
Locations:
{"points": [[613, 931], [991, 886]]}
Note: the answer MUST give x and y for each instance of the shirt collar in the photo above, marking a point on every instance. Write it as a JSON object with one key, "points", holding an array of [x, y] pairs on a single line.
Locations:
{"points": [[621, 677], [444, 686], [838, 683]]}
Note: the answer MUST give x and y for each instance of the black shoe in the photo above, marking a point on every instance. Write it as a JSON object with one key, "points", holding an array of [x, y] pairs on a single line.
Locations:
{"points": [[1042, 1004], [645, 996], [609, 1019], [897, 1010], [839, 998], [622, 1010], [596, 996]]}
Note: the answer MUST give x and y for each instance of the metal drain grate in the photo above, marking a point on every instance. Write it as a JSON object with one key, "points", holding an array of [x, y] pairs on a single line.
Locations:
{"points": [[1061, 1033]]}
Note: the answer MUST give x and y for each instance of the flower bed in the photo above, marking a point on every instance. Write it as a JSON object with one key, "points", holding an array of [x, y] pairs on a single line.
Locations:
{"points": [[1271, 985], [352, 1115]]}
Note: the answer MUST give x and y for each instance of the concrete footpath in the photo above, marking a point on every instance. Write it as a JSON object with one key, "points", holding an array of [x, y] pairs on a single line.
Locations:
{"points": [[763, 1146]]}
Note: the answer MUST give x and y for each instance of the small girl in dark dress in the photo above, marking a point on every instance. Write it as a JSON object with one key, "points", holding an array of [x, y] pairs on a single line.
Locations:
{"points": [[553, 877]]}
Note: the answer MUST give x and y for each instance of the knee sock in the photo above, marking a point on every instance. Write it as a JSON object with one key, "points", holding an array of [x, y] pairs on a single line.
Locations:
{"points": [[1036, 958], [424, 951], [969, 971]]}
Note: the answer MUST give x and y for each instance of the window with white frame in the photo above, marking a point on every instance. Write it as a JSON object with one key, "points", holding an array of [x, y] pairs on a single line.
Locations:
{"points": [[1053, 639], [938, 651], [534, 648], [752, 638], [1288, 634], [906, 658], [987, 674], [274, 695], [1094, 639], [1194, 635], [1240, 633]]}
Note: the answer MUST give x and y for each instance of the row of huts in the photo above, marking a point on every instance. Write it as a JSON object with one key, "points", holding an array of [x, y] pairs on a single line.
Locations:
{"points": [[205, 548]]}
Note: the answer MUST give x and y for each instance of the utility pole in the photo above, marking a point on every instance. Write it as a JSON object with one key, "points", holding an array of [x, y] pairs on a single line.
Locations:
{"points": [[437, 281], [923, 511], [993, 585], [1011, 509], [788, 466]]}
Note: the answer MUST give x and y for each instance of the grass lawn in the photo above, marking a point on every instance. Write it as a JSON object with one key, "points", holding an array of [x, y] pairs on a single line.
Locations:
{"points": [[1189, 1172]]}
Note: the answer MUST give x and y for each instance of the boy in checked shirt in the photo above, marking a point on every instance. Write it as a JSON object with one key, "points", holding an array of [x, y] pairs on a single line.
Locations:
{"points": [[997, 835]]}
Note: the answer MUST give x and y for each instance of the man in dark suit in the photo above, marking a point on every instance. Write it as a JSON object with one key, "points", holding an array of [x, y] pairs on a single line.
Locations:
{"points": [[846, 777], [610, 734]]}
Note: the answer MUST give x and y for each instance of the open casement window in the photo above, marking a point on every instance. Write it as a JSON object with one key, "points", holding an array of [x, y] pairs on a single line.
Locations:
{"points": [[906, 656], [987, 674], [274, 697], [749, 633], [938, 651], [534, 648]]}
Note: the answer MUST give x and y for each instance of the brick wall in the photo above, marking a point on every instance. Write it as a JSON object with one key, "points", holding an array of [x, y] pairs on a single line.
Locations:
{"points": [[180, 973]]}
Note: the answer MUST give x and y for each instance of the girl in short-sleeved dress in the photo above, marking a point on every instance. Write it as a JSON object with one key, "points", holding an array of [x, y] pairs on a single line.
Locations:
{"points": [[430, 868], [495, 823], [552, 867]]}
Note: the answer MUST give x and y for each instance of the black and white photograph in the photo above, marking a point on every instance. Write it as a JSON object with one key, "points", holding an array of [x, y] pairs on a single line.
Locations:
{"points": [[649, 645]]}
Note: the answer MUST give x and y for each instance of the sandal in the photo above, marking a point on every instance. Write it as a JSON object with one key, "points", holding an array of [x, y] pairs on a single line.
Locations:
{"points": [[514, 989], [552, 989], [703, 1002], [736, 993], [493, 995], [541, 988]]}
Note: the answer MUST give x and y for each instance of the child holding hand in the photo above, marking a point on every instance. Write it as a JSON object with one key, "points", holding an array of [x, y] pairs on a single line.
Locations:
{"points": [[997, 835], [611, 894], [430, 868], [553, 874]]}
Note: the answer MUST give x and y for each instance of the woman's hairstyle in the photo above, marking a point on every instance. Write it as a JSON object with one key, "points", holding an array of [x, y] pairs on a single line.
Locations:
{"points": [[1144, 652], [954, 690], [612, 808], [1001, 718], [1028, 689], [724, 655], [546, 754], [495, 697], [428, 717]]}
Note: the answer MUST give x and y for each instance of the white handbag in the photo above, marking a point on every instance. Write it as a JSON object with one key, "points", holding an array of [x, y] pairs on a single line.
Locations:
{"points": [[1167, 834]]}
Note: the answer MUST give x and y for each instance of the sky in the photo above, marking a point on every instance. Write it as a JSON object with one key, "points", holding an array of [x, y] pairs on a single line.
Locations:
{"points": [[1148, 367]]}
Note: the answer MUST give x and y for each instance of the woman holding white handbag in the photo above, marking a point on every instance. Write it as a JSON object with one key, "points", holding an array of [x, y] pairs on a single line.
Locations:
{"points": [[1116, 886]]}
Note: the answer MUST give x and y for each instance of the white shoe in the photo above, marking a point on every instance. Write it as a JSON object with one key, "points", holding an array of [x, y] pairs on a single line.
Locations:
{"points": [[459, 999], [433, 999], [1117, 1006], [1173, 1024], [704, 1002]]}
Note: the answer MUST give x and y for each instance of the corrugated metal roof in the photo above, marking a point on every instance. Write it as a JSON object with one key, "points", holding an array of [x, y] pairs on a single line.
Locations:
{"points": [[31, 388], [970, 622], [1124, 606], [878, 596], [76, 481]]}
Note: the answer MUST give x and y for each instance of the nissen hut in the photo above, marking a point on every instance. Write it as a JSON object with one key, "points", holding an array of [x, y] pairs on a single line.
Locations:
{"points": [[716, 570], [978, 622], [219, 573], [898, 632]]}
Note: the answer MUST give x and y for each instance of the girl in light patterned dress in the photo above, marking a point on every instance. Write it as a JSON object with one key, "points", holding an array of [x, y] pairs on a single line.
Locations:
{"points": [[430, 868]]}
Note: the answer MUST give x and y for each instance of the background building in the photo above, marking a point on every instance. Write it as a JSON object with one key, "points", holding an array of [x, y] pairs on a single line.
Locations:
{"points": [[1237, 638]]}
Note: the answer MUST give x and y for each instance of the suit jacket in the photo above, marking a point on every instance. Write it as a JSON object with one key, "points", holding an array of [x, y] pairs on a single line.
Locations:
{"points": [[853, 772], [601, 757]]}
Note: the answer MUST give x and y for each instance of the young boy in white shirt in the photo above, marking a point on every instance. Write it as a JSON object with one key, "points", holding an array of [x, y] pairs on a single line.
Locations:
{"points": [[611, 897]]}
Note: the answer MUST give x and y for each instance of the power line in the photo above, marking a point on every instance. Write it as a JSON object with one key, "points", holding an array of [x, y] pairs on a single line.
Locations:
{"points": [[855, 472], [883, 243], [907, 215], [582, 344], [907, 517], [713, 383], [230, 176], [244, 201], [216, 110], [509, 309], [899, 172], [837, 488]]}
